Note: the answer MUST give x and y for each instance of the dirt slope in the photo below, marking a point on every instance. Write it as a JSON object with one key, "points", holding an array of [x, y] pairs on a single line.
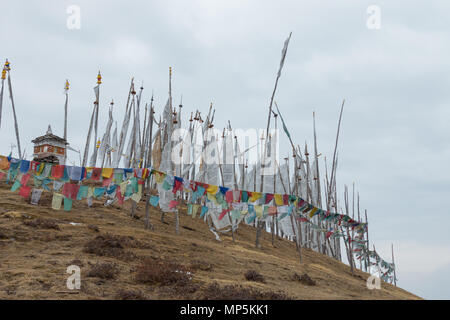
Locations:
{"points": [[34, 255]]}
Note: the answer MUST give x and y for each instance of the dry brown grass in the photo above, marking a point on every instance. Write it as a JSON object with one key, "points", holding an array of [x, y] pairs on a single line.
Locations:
{"points": [[304, 279], [238, 292], [129, 295]]}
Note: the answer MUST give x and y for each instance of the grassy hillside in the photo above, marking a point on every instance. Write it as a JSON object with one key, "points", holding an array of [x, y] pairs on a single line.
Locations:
{"points": [[119, 259]]}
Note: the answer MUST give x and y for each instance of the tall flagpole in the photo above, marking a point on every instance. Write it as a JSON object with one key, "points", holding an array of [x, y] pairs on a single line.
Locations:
{"points": [[66, 89], [97, 100], [8, 68], [283, 56], [88, 138]]}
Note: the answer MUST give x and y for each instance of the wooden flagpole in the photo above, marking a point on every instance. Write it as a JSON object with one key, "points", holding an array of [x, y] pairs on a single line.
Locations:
{"points": [[16, 126], [283, 56]]}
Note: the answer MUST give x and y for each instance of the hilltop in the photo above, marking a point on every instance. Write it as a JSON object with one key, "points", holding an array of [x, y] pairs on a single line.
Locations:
{"points": [[119, 259]]}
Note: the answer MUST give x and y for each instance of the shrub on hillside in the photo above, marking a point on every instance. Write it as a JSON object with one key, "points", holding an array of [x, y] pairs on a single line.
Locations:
{"points": [[40, 223], [162, 272], [104, 270], [252, 275], [108, 245]]}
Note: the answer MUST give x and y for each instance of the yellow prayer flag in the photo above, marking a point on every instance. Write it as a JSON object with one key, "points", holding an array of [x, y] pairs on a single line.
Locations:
{"points": [[311, 213], [56, 201], [278, 199], [159, 177], [255, 196], [212, 189], [212, 197], [107, 172], [136, 197], [259, 211], [123, 187], [195, 210]]}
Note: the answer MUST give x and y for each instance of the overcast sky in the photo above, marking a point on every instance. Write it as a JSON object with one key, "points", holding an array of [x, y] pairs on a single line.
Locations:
{"points": [[394, 143]]}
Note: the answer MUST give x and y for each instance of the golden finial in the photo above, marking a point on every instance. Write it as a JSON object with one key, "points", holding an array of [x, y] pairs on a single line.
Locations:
{"points": [[7, 66], [66, 87], [99, 78], [170, 71], [98, 144], [4, 73]]}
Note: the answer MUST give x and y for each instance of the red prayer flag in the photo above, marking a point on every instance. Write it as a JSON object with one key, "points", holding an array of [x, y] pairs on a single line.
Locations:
{"points": [[96, 173], [25, 179], [269, 197], [173, 204], [106, 182], [119, 196], [229, 196], [58, 171], [224, 212], [25, 191], [178, 185]]}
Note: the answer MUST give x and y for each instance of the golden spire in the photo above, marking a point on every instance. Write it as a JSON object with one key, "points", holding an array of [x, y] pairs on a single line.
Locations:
{"points": [[170, 71], [99, 78], [66, 87]]}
